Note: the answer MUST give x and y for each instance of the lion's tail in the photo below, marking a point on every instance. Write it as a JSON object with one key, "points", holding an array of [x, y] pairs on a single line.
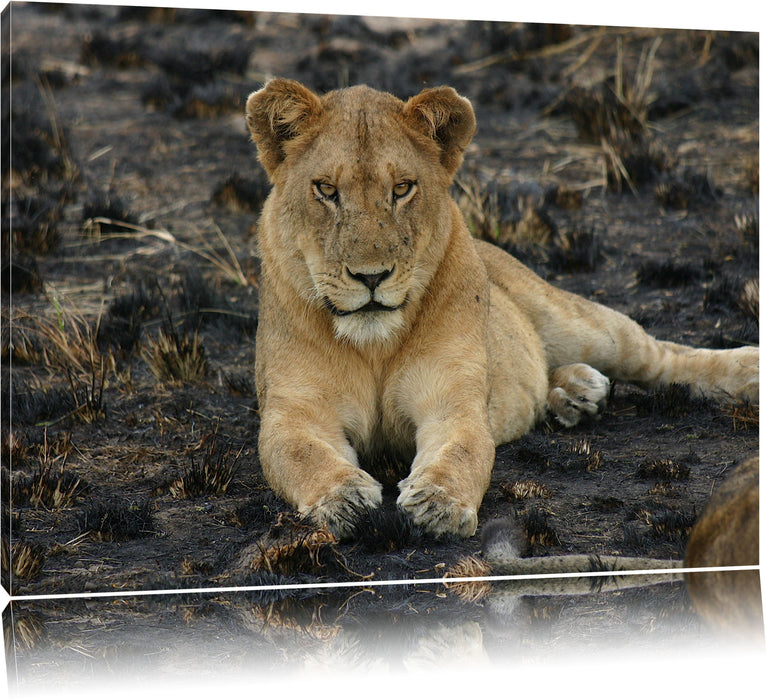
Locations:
{"points": [[502, 545]]}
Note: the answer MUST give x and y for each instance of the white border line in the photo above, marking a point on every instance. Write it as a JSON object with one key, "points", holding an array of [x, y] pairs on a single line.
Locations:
{"points": [[378, 582]]}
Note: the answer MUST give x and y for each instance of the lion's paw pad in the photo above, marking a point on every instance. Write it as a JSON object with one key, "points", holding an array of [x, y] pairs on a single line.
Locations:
{"points": [[431, 508], [579, 391], [342, 509]]}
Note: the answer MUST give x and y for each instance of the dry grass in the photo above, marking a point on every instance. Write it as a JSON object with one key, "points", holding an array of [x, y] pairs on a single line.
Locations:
{"points": [[66, 347], [302, 553], [70, 170], [618, 106], [482, 213], [241, 194], [26, 632], [12, 447], [19, 346], [593, 459], [522, 490], [535, 233], [88, 392], [570, 47], [173, 357], [614, 114], [33, 226], [468, 567], [752, 176], [23, 560], [66, 343], [479, 208], [745, 416], [50, 486], [224, 260], [748, 226]]}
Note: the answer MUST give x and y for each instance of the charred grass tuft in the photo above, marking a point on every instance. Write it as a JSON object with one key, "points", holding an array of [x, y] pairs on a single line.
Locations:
{"points": [[663, 470], [122, 326], [538, 530], [211, 471], [666, 273], [524, 489], [745, 416], [37, 405], [671, 525], [591, 459], [383, 530], [14, 447], [469, 591], [20, 275], [117, 519], [34, 220], [686, 189], [292, 547], [106, 213], [259, 512], [748, 227], [749, 299], [241, 194], [50, 485], [653, 522], [672, 401], [614, 114], [521, 223]]}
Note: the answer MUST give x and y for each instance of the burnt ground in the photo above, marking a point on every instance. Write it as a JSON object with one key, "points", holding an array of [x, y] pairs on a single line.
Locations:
{"points": [[621, 164]]}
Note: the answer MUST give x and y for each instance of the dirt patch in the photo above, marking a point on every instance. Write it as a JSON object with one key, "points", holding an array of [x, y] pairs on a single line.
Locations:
{"points": [[621, 164]]}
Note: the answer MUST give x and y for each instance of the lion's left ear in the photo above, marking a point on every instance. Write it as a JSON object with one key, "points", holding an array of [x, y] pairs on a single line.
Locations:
{"points": [[446, 117]]}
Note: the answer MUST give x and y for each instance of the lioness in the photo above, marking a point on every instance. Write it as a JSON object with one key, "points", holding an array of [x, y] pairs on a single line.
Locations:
{"points": [[384, 327]]}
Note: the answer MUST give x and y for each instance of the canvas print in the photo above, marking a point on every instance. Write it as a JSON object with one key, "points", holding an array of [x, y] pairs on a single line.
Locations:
{"points": [[295, 299]]}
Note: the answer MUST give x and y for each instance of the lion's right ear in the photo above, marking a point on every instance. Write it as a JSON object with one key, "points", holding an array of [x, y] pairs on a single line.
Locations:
{"points": [[276, 115]]}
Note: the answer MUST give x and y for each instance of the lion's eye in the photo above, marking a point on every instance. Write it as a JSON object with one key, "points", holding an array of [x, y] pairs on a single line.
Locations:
{"points": [[402, 189], [326, 190]]}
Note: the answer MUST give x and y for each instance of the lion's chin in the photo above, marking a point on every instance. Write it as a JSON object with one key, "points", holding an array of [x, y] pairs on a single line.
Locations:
{"points": [[369, 327]]}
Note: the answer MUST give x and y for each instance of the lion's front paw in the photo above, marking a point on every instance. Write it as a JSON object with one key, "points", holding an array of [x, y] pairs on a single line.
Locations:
{"points": [[344, 506], [433, 509], [579, 391]]}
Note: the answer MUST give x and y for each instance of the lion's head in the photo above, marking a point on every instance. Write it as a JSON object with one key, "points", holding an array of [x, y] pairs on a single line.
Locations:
{"points": [[360, 204]]}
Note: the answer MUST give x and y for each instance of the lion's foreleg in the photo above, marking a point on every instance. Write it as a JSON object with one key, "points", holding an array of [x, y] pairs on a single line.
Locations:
{"points": [[454, 455], [310, 463], [448, 478]]}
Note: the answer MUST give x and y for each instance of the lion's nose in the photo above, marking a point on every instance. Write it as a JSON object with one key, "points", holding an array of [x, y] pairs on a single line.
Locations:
{"points": [[371, 280]]}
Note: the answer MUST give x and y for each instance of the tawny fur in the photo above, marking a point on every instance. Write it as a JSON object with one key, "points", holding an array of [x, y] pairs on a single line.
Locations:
{"points": [[385, 328], [728, 534]]}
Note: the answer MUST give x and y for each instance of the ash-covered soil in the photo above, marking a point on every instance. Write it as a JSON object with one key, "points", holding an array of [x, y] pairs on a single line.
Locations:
{"points": [[621, 164]]}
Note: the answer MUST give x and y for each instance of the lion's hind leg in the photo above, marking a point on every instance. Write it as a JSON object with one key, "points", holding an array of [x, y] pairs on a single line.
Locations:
{"points": [[576, 391]]}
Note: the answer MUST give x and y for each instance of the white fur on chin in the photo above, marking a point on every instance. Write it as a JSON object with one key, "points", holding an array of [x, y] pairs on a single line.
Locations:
{"points": [[367, 327]]}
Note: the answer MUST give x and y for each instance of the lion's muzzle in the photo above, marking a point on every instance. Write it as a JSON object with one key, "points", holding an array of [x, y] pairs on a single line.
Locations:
{"points": [[371, 280]]}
